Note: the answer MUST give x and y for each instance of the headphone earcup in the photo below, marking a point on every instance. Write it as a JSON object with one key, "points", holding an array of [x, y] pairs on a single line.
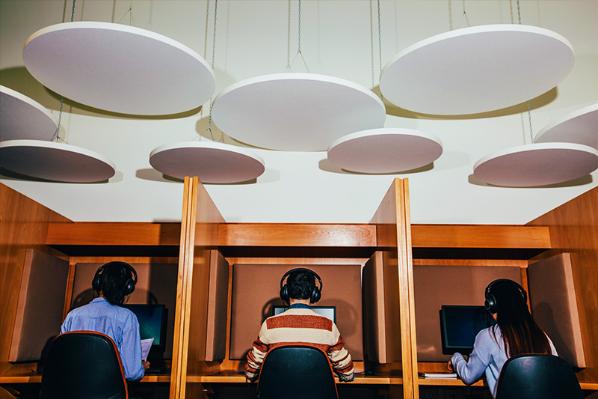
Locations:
{"points": [[315, 295], [284, 293], [96, 283], [129, 286], [490, 303]]}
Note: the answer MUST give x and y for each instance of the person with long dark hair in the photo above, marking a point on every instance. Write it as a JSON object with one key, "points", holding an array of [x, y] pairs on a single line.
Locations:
{"points": [[515, 333]]}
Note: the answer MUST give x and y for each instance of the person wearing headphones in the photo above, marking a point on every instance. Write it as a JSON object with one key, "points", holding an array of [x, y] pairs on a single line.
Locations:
{"points": [[514, 333], [300, 324], [113, 281]]}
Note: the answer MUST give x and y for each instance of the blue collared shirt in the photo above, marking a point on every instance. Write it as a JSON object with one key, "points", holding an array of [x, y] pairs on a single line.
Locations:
{"points": [[118, 323]]}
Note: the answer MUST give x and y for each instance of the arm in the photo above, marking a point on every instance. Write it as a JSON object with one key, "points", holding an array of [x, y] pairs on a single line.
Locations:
{"points": [[471, 370], [255, 357], [340, 358], [130, 353]]}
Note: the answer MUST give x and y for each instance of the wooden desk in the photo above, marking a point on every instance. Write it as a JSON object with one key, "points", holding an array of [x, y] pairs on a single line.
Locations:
{"points": [[25, 373]]}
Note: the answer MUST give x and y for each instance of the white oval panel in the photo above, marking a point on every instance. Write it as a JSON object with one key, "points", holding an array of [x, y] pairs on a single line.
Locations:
{"points": [[119, 68], [212, 162], [387, 150], [534, 165], [53, 161], [580, 127], [296, 111], [24, 118], [477, 69]]}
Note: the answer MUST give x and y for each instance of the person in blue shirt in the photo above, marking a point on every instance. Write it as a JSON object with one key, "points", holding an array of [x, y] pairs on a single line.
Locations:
{"points": [[113, 282], [514, 333]]}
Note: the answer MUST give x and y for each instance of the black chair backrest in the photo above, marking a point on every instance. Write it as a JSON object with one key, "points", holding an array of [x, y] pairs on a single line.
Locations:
{"points": [[83, 364], [296, 372], [537, 376]]}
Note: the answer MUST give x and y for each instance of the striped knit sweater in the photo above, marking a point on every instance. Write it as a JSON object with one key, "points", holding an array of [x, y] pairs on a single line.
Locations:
{"points": [[300, 325]]}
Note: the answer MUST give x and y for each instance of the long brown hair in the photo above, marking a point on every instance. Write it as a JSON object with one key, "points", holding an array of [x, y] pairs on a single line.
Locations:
{"points": [[520, 333]]}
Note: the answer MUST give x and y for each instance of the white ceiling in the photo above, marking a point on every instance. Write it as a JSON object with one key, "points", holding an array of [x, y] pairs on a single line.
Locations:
{"points": [[337, 39]]}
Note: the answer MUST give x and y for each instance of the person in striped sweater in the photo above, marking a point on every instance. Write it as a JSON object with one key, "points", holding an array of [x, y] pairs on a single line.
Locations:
{"points": [[300, 324]]}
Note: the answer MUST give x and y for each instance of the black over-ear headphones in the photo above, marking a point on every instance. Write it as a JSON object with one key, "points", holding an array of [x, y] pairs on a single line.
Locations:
{"points": [[316, 293], [98, 281], [491, 302]]}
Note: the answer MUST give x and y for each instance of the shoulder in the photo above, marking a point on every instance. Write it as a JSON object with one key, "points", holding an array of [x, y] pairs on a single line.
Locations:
{"points": [[488, 337]]}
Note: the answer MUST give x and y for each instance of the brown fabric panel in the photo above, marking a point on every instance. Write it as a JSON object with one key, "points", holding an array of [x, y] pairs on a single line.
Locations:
{"points": [[217, 308], [156, 283], [554, 305], [256, 290], [41, 300], [448, 285]]}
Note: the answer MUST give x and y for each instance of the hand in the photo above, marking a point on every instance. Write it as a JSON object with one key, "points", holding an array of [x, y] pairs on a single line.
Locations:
{"points": [[450, 366], [146, 364], [344, 378]]}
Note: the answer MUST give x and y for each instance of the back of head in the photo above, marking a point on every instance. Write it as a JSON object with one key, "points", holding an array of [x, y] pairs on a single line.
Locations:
{"points": [[301, 283], [115, 280], [520, 332]]}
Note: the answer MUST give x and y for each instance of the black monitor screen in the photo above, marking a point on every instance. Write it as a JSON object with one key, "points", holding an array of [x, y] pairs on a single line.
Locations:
{"points": [[152, 322], [459, 326], [326, 311]]}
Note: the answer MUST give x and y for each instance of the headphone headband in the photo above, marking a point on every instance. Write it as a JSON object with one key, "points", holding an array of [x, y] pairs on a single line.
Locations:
{"points": [[97, 282], [491, 301], [316, 292]]}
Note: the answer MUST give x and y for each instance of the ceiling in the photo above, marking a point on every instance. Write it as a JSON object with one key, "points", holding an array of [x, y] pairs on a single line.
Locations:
{"points": [[339, 38]]}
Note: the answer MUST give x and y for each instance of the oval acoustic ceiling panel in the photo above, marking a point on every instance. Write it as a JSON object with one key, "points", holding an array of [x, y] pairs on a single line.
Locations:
{"points": [[24, 118], [580, 126], [296, 111], [59, 162], [477, 69], [535, 165], [212, 162], [119, 68], [387, 150]]}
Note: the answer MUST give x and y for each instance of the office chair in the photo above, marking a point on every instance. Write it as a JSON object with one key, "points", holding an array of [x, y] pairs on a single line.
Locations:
{"points": [[83, 364], [537, 377], [296, 372]]}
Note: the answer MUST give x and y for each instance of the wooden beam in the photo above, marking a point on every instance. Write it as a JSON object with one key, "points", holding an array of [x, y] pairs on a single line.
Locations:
{"points": [[479, 236], [296, 235]]}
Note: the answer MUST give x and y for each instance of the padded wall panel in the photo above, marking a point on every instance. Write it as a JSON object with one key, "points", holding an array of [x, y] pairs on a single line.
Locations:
{"points": [[40, 305], [156, 285], [256, 289], [552, 294], [217, 308], [448, 285]]}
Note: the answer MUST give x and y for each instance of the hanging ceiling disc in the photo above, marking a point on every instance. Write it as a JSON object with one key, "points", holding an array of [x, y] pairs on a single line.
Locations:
{"points": [[53, 161], [296, 111], [534, 165], [580, 127], [24, 118], [477, 69], [119, 68], [212, 162], [387, 150]]}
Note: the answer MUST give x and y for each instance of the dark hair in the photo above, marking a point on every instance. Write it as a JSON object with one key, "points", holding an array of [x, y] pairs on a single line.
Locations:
{"points": [[113, 281], [520, 333], [301, 284]]}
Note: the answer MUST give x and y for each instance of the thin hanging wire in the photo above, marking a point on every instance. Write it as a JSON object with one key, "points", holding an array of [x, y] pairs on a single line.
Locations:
{"points": [[213, 59], [511, 11], [379, 40], [55, 136], [372, 61], [299, 48], [529, 112], [450, 14], [465, 13]]}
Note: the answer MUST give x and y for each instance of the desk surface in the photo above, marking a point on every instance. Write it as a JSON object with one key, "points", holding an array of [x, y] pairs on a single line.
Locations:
{"points": [[26, 374]]}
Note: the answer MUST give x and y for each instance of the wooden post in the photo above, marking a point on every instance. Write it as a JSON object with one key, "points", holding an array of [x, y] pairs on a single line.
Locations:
{"points": [[178, 375]]}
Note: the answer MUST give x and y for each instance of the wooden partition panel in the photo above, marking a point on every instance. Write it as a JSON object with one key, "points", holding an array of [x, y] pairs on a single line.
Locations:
{"points": [[200, 217], [574, 228], [23, 225], [392, 220]]}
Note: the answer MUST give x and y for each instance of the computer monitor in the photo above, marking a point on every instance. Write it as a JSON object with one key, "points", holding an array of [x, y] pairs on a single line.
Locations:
{"points": [[152, 324], [459, 326], [327, 311]]}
